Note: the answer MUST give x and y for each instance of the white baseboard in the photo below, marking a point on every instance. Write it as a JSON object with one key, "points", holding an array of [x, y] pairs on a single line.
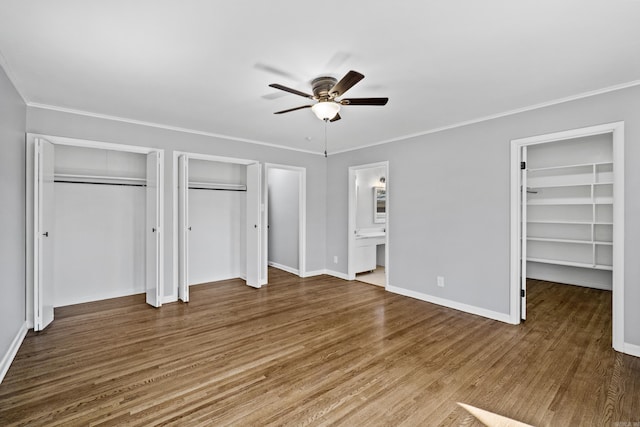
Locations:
{"points": [[502, 317], [169, 299], [337, 274], [98, 297], [8, 357], [284, 268], [314, 273], [631, 349]]}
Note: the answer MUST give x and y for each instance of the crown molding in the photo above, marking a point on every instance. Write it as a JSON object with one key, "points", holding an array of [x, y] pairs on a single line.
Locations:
{"points": [[386, 141], [498, 115], [165, 127], [5, 66]]}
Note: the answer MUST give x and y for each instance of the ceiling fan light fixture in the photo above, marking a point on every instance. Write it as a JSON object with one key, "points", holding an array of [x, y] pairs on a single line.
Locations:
{"points": [[326, 110]]}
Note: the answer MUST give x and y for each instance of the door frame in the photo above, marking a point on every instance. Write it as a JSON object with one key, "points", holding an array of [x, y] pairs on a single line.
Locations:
{"points": [[83, 143], [302, 214], [351, 230], [616, 129], [176, 250]]}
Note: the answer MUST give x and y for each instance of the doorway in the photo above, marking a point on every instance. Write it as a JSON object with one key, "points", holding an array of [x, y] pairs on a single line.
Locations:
{"points": [[285, 189], [368, 232], [567, 214], [43, 243], [217, 221]]}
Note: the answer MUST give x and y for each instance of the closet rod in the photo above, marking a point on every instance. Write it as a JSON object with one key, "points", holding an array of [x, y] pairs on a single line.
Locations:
{"points": [[217, 189], [123, 184]]}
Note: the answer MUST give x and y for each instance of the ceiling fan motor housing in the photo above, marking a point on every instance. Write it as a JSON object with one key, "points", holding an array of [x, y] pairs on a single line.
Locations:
{"points": [[321, 87]]}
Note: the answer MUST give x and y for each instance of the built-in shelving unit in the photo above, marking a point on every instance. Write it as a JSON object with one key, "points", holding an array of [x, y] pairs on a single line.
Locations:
{"points": [[570, 215]]}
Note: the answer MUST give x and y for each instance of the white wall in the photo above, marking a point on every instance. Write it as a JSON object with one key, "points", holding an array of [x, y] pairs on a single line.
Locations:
{"points": [[284, 217], [99, 242], [217, 243], [450, 203], [12, 221]]}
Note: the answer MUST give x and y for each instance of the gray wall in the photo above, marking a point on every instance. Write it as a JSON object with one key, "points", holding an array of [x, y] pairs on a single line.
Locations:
{"points": [[450, 201], [85, 127], [12, 213], [284, 217]]}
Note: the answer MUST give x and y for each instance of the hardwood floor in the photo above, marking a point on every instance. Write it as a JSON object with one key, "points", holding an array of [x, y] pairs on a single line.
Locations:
{"points": [[321, 351]]}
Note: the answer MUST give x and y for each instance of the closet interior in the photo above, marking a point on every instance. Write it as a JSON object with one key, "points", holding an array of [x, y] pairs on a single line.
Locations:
{"points": [[215, 220], [569, 211], [99, 217]]}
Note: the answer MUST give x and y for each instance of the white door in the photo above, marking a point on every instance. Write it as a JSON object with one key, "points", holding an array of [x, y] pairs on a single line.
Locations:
{"points": [[153, 230], [43, 238], [523, 240], [183, 227], [254, 228]]}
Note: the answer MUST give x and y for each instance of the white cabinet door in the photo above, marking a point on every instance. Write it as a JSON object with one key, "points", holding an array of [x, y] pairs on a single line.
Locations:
{"points": [[254, 226], [153, 230], [183, 227], [43, 239]]}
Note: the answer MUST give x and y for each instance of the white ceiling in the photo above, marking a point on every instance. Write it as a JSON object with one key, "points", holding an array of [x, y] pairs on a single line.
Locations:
{"points": [[203, 65]]}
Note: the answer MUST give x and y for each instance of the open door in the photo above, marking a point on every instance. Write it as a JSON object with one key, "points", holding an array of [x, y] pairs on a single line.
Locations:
{"points": [[153, 230], [183, 227], [254, 226], [523, 235], [42, 237]]}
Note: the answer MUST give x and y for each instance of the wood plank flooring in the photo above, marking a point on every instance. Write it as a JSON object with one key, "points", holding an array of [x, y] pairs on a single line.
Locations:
{"points": [[321, 351]]}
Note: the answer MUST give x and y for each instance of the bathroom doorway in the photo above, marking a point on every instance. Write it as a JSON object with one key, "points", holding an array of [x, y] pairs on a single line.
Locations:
{"points": [[369, 223]]}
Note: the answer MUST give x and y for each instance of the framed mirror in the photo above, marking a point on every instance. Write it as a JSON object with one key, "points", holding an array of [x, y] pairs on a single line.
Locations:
{"points": [[379, 205]]}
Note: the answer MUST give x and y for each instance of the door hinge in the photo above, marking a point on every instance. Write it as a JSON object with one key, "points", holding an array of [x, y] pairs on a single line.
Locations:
{"points": [[522, 293], [523, 165]]}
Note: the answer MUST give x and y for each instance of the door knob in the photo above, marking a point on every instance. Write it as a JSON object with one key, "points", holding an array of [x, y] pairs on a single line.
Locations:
{"points": [[45, 234], [153, 230]]}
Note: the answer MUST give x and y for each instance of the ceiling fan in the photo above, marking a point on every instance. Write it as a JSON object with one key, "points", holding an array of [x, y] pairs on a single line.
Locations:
{"points": [[327, 90]]}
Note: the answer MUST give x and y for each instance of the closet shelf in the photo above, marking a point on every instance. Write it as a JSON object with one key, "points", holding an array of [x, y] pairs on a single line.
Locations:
{"points": [[197, 185], [534, 186], [561, 201], [571, 263], [579, 242], [99, 179], [578, 165], [552, 221]]}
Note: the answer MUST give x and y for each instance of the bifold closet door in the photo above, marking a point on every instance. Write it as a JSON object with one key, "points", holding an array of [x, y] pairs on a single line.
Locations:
{"points": [[254, 227], [523, 235], [183, 227], [153, 230], [44, 208]]}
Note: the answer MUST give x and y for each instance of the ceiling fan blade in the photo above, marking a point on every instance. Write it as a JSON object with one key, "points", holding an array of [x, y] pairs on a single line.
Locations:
{"points": [[336, 118], [364, 101], [347, 82], [292, 109], [273, 70], [288, 89]]}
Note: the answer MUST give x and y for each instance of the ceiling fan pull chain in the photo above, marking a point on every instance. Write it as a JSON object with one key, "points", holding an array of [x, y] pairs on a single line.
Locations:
{"points": [[325, 137]]}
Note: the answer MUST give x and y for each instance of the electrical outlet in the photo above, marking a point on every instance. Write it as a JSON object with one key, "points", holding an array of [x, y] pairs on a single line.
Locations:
{"points": [[335, 259], [440, 281]]}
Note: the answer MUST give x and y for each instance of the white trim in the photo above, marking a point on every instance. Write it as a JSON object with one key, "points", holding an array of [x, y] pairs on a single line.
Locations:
{"points": [[351, 230], [8, 357], [285, 268], [471, 309], [85, 143], [165, 127], [631, 349], [174, 194], [617, 131], [337, 274], [169, 299], [498, 115], [5, 66], [315, 273], [302, 211], [102, 296]]}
